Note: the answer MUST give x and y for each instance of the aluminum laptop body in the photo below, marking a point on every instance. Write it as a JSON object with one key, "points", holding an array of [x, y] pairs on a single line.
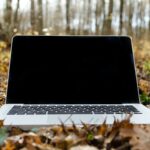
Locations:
{"points": [[54, 79]]}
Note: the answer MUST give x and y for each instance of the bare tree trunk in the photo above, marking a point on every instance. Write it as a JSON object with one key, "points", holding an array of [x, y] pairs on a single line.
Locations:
{"points": [[104, 17], [8, 20], [142, 20], [121, 16], [47, 14], [74, 17], [16, 21], [58, 25], [32, 16], [89, 16], [80, 19], [97, 16], [40, 16], [107, 29], [8, 12], [67, 16], [109, 17], [84, 16], [130, 18]]}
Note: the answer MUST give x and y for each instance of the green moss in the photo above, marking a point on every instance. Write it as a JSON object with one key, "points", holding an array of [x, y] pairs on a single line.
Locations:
{"points": [[146, 67], [90, 137], [145, 99]]}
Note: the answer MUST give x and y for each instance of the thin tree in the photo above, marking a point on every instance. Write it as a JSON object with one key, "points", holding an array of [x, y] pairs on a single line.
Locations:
{"points": [[121, 16], [32, 16], [89, 16], [8, 20], [80, 17], [142, 21], [74, 14], [107, 29], [8, 12], [104, 17], [40, 16], [47, 14], [67, 16], [84, 17], [109, 17], [130, 18], [16, 21], [58, 24], [98, 12]]}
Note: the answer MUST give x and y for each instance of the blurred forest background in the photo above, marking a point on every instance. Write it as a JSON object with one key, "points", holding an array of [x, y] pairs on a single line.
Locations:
{"points": [[78, 17]]}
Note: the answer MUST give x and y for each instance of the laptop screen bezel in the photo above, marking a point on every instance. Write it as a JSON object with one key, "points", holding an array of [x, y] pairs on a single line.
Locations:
{"points": [[9, 73]]}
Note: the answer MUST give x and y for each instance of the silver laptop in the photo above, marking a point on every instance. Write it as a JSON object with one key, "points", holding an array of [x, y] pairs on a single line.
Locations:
{"points": [[55, 79]]}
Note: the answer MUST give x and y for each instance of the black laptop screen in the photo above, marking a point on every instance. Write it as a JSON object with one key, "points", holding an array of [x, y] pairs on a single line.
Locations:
{"points": [[72, 70]]}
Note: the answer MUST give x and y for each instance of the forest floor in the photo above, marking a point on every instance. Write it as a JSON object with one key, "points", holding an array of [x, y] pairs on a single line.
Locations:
{"points": [[121, 136]]}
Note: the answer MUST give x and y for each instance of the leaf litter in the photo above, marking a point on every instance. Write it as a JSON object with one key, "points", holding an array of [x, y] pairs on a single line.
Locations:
{"points": [[119, 136]]}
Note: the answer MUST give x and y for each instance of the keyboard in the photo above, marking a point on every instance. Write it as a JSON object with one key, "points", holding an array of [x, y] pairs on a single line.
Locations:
{"points": [[72, 109]]}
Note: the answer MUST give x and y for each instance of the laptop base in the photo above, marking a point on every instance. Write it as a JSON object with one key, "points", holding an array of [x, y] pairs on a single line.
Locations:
{"points": [[30, 121]]}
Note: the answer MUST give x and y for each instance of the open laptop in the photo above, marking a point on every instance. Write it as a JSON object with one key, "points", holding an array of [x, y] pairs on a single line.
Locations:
{"points": [[54, 79]]}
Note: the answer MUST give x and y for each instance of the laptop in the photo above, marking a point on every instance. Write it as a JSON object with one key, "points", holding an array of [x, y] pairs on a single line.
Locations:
{"points": [[55, 79]]}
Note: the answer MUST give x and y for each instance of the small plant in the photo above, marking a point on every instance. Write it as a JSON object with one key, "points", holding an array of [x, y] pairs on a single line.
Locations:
{"points": [[145, 99], [146, 67]]}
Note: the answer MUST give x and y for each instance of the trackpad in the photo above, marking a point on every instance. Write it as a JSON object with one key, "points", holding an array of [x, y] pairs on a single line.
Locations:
{"points": [[16, 120], [77, 119]]}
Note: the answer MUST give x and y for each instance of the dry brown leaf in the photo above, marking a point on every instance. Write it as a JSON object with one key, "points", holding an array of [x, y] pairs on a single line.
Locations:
{"points": [[1, 123], [15, 131], [9, 145], [144, 85], [102, 129], [139, 137]]}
